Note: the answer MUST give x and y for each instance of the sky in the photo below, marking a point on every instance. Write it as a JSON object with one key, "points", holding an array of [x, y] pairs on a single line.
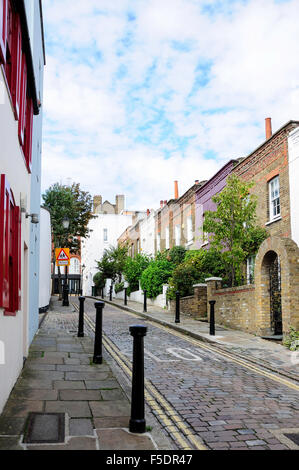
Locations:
{"points": [[140, 93]]}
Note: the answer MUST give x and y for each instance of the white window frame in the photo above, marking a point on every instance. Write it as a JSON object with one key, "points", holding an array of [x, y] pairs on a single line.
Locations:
{"points": [[167, 238], [274, 199], [250, 262], [105, 234], [189, 229], [158, 242], [177, 235]]}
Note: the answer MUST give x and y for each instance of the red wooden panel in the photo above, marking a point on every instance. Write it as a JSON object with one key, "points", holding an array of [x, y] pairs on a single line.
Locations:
{"points": [[16, 63], [15, 257], [4, 242], [28, 134], [22, 117], [3, 30]]}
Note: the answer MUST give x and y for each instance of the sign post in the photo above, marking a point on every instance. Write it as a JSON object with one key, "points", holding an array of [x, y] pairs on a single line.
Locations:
{"points": [[63, 259]]}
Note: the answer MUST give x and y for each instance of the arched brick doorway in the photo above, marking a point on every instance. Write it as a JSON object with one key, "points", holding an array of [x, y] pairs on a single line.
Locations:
{"points": [[277, 284]]}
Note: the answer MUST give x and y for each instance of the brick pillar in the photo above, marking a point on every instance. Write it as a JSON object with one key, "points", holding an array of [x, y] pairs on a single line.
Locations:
{"points": [[213, 283], [200, 297]]}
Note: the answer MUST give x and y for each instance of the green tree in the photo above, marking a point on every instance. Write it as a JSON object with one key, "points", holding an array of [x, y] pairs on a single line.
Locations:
{"points": [[155, 275], [177, 254], [133, 270], [99, 281], [112, 263], [196, 267], [232, 227], [71, 202]]}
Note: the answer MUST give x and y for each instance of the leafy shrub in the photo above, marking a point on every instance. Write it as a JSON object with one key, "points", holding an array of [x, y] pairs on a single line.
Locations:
{"points": [[292, 340], [183, 278], [197, 266], [155, 275], [177, 254], [99, 280], [133, 270], [119, 287]]}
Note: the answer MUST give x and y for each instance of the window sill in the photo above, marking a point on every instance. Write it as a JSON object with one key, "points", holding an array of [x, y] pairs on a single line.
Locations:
{"points": [[189, 243], [274, 220], [204, 244]]}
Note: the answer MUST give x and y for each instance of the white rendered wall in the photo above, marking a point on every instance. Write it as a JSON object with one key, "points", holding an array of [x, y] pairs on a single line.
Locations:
{"points": [[45, 259], [147, 234], [14, 330], [138, 296], [92, 248], [294, 178]]}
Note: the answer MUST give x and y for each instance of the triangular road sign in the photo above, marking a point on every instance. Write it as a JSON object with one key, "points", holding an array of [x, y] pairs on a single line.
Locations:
{"points": [[62, 256]]}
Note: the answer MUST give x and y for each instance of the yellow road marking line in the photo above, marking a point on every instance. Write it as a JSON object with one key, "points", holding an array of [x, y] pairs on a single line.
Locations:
{"points": [[229, 356], [119, 357]]}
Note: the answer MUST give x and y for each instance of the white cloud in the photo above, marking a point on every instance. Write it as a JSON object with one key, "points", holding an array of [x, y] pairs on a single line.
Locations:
{"points": [[128, 111]]}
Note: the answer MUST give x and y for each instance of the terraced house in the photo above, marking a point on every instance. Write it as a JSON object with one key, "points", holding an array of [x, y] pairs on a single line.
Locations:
{"points": [[270, 305], [22, 60]]}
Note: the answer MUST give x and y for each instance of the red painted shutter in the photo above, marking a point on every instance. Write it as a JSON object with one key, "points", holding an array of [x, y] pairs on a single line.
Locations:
{"points": [[16, 64], [3, 30], [4, 242], [28, 134], [15, 257], [22, 117], [10, 251]]}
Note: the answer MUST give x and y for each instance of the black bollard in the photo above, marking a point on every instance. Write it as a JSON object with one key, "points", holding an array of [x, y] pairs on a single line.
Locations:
{"points": [[97, 356], [65, 302], [81, 318], [137, 421], [145, 301], [126, 298], [177, 307], [212, 317], [110, 297], [102, 292]]}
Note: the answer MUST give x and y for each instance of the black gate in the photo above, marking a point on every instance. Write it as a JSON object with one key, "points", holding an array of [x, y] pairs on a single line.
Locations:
{"points": [[275, 296]]}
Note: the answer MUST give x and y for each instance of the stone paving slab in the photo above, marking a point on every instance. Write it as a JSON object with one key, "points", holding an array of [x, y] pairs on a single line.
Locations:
{"points": [[69, 385], [123, 440], [75, 443], [110, 409], [75, 409], [11, 426], [77, 395], [59, 377], [10, 443], [81, 427]]}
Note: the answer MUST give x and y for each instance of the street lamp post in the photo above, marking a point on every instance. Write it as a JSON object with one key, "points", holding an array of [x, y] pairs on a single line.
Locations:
{"points": [[82, 271], [65, 303]]}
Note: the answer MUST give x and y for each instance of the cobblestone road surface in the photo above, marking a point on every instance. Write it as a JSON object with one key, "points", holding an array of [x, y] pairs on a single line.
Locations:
{"points": [[223, 403]]}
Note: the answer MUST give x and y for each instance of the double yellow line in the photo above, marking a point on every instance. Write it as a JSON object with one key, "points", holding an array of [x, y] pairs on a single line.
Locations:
{"points": [[163, 410], [231, 357]]}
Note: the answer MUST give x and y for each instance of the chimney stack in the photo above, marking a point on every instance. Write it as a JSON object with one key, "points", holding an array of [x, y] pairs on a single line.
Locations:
{"points": [[196, 181], [268, 128], [148, 212], [161, 204], [165, 203], [176, 190]]}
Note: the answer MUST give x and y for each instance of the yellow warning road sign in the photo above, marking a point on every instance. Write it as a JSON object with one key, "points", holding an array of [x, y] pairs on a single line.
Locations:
{"points": [[62, 256]]}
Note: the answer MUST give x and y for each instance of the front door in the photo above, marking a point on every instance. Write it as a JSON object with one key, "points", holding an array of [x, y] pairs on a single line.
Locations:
{"points": [[275, 296]]}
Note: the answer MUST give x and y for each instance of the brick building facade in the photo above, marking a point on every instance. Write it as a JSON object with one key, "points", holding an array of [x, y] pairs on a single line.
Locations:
{"points": [[268, 167]]}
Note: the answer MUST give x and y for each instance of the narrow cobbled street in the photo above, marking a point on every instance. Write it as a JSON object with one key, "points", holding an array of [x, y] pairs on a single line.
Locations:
{"points": [[202, 398]]}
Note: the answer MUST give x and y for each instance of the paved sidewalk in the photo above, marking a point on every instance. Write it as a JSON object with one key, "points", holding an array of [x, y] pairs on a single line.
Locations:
{"points": [[59, 377], [259, 351]]}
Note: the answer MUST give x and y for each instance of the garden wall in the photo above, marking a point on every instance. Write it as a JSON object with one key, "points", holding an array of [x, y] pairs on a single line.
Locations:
{"points": [[235, 306], [193, 305]]}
